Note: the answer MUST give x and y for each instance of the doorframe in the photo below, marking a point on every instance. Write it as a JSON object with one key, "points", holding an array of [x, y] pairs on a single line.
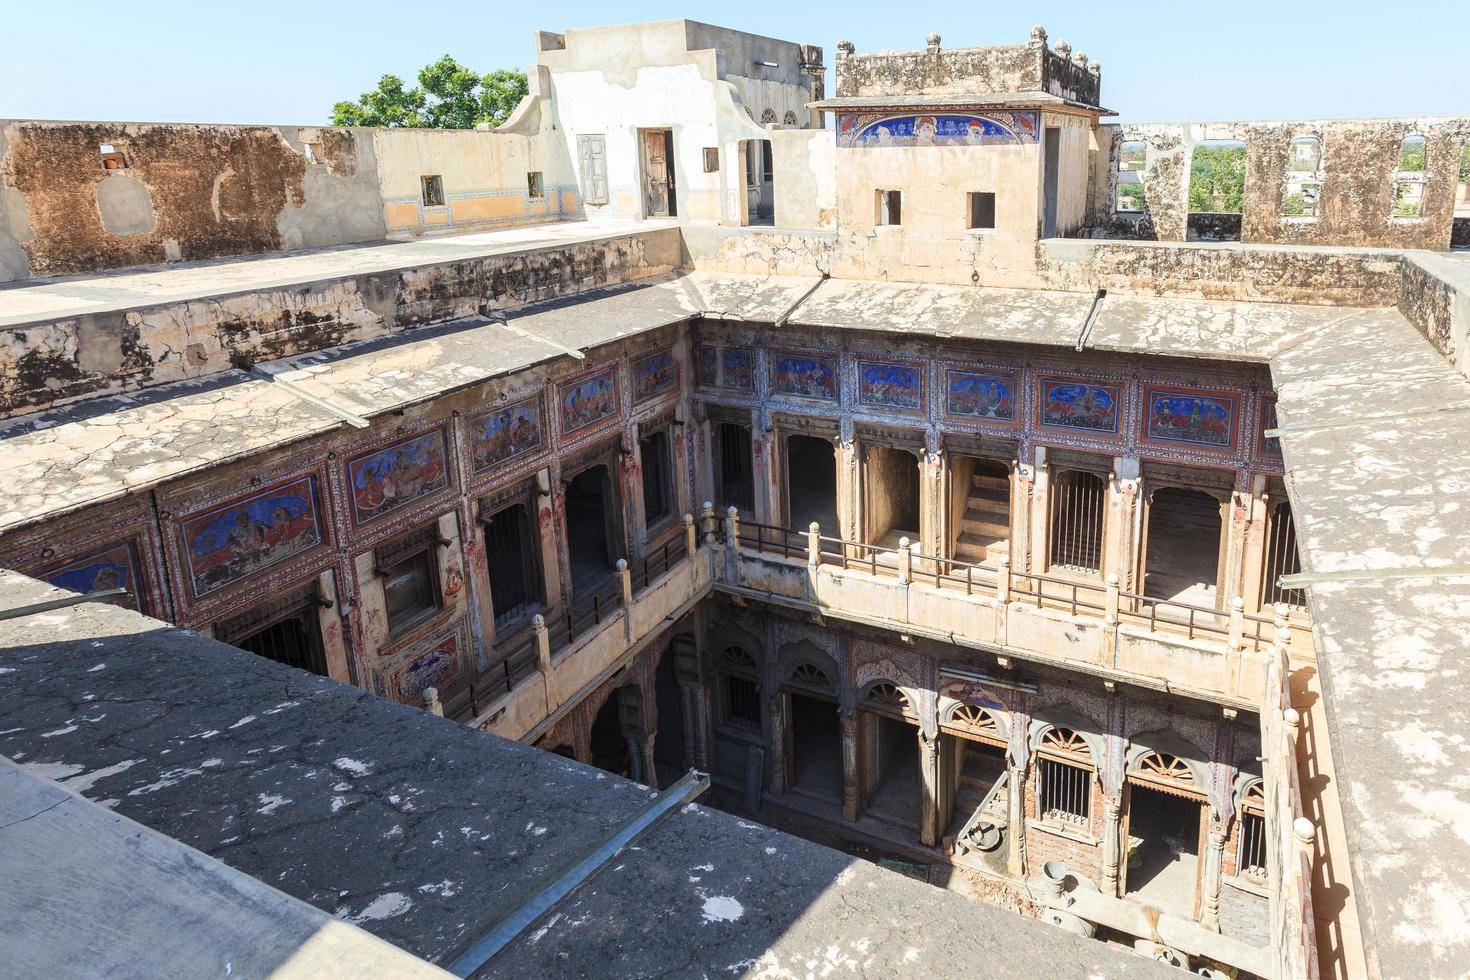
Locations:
{"points": [[1201, 839], [669, 171]]}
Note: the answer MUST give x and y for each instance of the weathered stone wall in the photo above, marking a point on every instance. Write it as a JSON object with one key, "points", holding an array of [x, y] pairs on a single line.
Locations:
{"points": [[53, 362], [1359, 160]]}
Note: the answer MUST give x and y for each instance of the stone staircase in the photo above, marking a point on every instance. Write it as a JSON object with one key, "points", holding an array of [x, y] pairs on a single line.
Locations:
{"points": [[985, 528]]}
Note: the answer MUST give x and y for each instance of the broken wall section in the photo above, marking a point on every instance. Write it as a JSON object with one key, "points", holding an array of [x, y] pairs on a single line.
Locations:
{"points": [[1354, 180]]}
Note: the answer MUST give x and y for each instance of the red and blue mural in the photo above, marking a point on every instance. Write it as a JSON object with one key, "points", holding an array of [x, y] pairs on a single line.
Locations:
{"points": [[227, 543], [653, 375], [384, 480], [739, 365], [891, 385], [805, 376], [1078, 405], [433, 668], [866, 129], [706, 364], [976, 395], [585, 401], [1190, 417], [112, 567], [1269, 445], [506, 433]]}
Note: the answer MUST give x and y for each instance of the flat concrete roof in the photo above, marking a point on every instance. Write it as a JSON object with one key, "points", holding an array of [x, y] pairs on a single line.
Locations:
{"points": [[426, 833]]}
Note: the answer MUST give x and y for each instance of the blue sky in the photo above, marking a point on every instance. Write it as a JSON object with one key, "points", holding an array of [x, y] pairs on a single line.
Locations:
{"points": [[287, 62]]}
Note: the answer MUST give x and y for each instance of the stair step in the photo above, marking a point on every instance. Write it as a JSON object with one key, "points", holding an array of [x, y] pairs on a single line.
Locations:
{"points": [[982, 480], [980, 541], [984, 525], [1000, 495]]}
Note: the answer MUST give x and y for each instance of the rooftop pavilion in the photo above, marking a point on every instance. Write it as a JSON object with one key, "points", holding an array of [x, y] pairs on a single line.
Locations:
{"points": [[171, 367]]}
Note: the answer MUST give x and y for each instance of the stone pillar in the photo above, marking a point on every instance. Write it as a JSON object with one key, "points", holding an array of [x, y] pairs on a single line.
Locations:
{"points": [[1253, 550], [778, 745], [650, 767], [849, 492], [933, 505], [1016, 824], [850, 781], [1039, 518], [1112, 844], [1022, 480], [928, 789], [1209, 915], [766, 474], [1122, 521]]}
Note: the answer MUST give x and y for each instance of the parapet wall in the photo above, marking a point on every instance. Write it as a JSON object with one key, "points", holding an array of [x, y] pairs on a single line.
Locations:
{"points": [[80, 197], [1355, 177]]}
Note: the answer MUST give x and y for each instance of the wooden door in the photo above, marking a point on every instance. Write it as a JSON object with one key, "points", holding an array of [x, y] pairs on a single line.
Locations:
{"points": [[657, 171]]}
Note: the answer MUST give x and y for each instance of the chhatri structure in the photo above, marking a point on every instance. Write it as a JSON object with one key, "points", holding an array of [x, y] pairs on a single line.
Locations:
{"points": [[888, 439]]}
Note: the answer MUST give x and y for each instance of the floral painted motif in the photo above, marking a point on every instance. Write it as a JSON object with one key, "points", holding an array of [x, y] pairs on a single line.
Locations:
{"points": [[387, 479], [1079, 405], [585, 401], [227, 543], [653, 375], [1191, 417], [891, 385], [935, 129], [980, 396], [506, 433], [805, 376]]}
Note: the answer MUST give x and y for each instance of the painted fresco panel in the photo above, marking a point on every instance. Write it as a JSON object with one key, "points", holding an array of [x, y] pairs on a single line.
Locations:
{"points": [[739, 368], [867, 129], [115, 566], [505, 433], [384, 480], [225, 544], [435, 667], [706, 364], [583, 402], [1190, 417], [805, 376], [981, 396], [1078, 405], [654, 375], [895, 385], [1268, 446]]}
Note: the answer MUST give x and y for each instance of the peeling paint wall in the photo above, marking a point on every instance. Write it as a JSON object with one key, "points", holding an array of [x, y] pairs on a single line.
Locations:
{"points": [[1358, 163]]}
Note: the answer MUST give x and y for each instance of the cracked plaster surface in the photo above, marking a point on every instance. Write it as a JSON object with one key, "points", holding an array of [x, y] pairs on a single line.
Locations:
{"points": [[426, 833]]}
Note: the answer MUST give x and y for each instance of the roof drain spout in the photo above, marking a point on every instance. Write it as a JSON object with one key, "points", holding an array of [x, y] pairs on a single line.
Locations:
{"points": [[781, 320], [1097, 302]]}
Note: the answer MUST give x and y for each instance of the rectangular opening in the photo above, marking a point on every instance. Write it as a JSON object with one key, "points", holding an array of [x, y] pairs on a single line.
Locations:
{"points": [[286, 629], [1077, 502], [1051, 178], [1130, 196], [409, 569], [1253, 845], [890, 208], [1163, 848], [1066, 793], [658, 483], [891, 496], [1281, 559], [711, 159], [1182, 547], [593, 539], [432, 187], [734, 477], [535, 185], [1216, 191], [742, 701], [512, 564], [660, 198], [982, 209], [811, 483], [980, 513], [112, 158]]}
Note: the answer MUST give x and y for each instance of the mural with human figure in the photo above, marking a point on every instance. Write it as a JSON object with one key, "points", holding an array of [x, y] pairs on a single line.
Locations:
{"points": [[1190, 416], [979, 396], [387, 479], [653, 375], [227, 543], [1067, 404], [435, 667], [805, 376], [585, 401], [739, 366], [706, 366], [112, 567], [866, 129], [890, 385], [506, 433]]}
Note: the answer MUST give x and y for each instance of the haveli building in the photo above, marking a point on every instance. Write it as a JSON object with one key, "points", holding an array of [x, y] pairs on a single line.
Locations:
{"points": [[913, 460]]}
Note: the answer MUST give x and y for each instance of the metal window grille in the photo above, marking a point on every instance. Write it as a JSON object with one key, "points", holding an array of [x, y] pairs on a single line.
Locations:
{"points": [[1065, 793], [510, 560], [1253, 844], [742, 701], [737, 486], [409, 569], [285, 630], [657, 482], [433, 189], [1077, 521], [1282, 559]]}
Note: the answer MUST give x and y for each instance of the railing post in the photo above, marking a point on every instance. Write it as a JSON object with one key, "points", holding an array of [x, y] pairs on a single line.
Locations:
{"points": [[542, 637], [1283, 625], [905, 561], [1110, 604], [707, 517], [1236, 640], [625, 579], [691, 543], [814, 545], [732, 527], [1003, 580], [431, 702]]}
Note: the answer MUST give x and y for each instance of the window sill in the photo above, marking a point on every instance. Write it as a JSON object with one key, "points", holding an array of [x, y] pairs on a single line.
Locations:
{"points": [[1065, 832], [1251, 886], [979, 232]]}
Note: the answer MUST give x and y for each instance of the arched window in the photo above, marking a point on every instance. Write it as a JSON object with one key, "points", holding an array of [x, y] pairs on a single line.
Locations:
{"points": [[768, 116], [810, 675], [790, 118], [887, 696], [1252, 850], [1064, 769], [974, 718], [1160, 767], [741, 690], [1303, 178], [1408, 183]]}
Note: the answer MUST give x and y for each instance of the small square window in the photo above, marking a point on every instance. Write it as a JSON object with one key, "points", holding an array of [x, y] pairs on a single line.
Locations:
{"points": [[982, 209], [890, 208], [433, 187], [409, 570], [711, 159], [535, 185], [112, 157]]}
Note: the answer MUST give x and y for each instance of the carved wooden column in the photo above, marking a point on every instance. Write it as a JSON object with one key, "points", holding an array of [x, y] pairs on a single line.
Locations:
{"points": [[1111, 843], [849, 490], [1038, 514], [1122, 521], [650, 767], [778, 744], [1209, 916], [765, 463], [1253, 551], [933, 505], [849, 765], [928, 789], [1022, 489], [1016, 824]]}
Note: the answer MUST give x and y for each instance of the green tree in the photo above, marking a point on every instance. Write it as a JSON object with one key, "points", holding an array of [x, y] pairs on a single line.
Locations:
{"points": [[1217, 179], [448, 96], [1465, 163]]}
